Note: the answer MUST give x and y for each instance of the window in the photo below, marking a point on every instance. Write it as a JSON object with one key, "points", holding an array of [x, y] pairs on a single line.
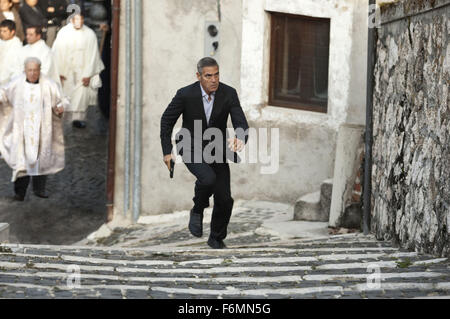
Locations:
{"points": [[299, 57]]}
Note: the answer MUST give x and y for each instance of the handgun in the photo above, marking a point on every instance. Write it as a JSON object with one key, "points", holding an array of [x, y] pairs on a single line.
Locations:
{"points": [[172, 168]]}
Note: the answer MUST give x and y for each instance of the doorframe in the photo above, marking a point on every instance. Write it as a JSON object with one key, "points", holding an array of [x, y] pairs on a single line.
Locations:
{"points": [[110, 183]]}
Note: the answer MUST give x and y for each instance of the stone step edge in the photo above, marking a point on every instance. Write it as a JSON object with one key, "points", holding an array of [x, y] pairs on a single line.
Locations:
{"points": [[158, 248], [231, 291]]}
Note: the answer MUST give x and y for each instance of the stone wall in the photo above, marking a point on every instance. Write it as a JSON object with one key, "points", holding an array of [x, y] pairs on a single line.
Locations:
{"points": [[411, 173]]}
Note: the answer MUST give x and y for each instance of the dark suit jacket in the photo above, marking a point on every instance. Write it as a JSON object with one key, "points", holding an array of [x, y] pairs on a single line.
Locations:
{"points": [[19, 28], [54, 18], [188, 102], [32, 17]]}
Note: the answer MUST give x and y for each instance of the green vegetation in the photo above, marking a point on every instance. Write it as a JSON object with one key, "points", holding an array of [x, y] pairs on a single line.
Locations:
{"points": [[404, 263]]}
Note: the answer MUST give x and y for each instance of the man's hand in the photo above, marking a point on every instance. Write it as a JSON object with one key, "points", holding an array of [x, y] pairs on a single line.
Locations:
{"points": [[59, 111], [167, 160], [235, 144], [104, 27], [86, 81]]}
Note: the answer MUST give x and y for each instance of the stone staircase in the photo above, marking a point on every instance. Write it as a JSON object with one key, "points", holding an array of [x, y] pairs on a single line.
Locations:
{"points": [[161, 260], [333, 267], [315, 207]]}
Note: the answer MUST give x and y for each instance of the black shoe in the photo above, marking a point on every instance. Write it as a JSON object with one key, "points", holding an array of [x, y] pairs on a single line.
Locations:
{"points": [[18, 198], [216, 244], [196, 224], [41, 195], [79, 124]]}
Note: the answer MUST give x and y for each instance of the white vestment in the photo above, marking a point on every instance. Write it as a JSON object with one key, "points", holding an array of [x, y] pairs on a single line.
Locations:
{"points": [[78, 57], [41, 51], [32, 109], [11, 64], [9, 15], [31, 134]]}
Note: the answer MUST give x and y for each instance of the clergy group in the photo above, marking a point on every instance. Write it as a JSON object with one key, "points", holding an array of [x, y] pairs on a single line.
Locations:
{"points": [[40, 87], [73, 62]]}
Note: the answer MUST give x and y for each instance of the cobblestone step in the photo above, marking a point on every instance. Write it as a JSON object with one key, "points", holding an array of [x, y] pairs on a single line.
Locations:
{"points": [[341, 267], [319, 262]]}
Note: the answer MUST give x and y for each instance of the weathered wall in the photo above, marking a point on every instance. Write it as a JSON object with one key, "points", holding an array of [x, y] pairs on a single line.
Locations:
{"points": [[173, 43], [307, 139], [411, 175]]}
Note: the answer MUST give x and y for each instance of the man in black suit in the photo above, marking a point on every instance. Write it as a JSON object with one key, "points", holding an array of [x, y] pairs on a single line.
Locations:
{"points": [[206, 106], [31, 15], [55, 14]]}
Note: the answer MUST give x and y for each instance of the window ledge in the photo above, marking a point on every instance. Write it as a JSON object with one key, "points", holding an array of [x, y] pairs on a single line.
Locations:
{"points": [[295, 117]]}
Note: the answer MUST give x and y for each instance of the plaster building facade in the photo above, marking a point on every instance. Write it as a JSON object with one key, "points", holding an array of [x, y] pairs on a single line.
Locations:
{"points": [[174, 38]]}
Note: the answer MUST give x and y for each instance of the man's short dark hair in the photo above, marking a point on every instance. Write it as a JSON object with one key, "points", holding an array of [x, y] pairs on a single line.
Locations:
{"points": [[11, 25], [37, 29], [206, 62]]}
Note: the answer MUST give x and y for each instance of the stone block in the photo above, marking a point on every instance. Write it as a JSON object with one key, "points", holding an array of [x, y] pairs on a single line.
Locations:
{"points": [[4, 233], [307, 208]]}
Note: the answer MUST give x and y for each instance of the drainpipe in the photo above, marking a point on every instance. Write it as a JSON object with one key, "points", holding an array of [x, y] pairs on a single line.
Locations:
{"points": [[219, 10], [367, 197], [128, 67], [137, 109], [113, 111]]}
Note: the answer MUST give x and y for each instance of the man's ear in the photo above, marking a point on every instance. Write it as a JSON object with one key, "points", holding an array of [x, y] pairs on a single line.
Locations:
{"points": [[199, 76]]}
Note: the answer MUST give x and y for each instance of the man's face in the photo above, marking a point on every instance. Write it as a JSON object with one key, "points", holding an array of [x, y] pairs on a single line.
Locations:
{"points": [[31, 3], [6, 34], [32, 36], [5, 5], [78, 22], [33, 72], [209, 79]]}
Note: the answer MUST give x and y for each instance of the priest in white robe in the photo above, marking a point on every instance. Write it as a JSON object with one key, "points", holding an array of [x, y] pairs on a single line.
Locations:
{"points": [[37, 48], [10, 49], [31, 133], [79, 65]]}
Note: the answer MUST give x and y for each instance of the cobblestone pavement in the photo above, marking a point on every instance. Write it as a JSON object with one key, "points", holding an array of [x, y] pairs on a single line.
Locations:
{"points": [[259, 263], [77, 201]]}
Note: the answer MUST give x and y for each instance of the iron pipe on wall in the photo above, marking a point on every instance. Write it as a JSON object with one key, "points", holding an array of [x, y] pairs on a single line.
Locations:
{"points": [[367, 196], [137, 109], [128, 66]]}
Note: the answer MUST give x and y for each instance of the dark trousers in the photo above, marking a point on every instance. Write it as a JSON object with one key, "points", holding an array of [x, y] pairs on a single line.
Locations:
{"points": [[21, 185], [213, 179]]}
